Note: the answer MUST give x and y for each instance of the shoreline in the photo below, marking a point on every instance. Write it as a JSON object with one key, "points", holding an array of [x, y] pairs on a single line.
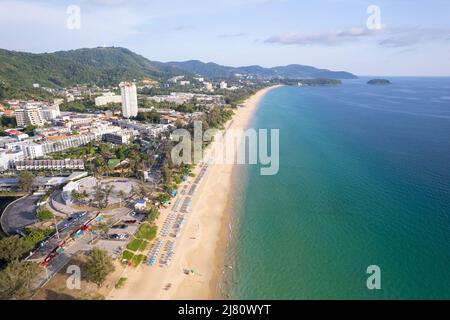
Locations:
{"points": [[203, 243], [222, 246]]}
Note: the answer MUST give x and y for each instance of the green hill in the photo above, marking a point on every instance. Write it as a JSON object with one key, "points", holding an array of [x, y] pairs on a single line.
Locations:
{"points": [[101, 66], [293, 71], [111, 65]]}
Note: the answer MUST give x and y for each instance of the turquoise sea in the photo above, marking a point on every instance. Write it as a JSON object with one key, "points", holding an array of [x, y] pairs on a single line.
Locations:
{"points": [[364, 180]]}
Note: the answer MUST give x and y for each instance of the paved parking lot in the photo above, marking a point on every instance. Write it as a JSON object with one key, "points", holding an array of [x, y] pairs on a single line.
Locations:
{"points": [[20, 214]]}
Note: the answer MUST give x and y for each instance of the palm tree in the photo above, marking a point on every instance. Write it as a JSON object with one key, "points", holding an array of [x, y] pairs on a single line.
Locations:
{"points": [[99, 194], [107, 190], [122, 196]]}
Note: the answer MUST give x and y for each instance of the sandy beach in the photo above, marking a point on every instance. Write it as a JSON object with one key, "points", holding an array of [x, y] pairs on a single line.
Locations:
{"points": [[201, 244]]}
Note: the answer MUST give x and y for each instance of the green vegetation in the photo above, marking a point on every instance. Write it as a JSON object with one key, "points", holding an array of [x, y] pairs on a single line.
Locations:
{"points": [[152, 215], [120, 283], [16, 280], [7, 123], [164, 197], [46, 195], [137, 260], [34, 235], [127, 255], [379, 82], [312, 82], [8, 89], [103, 227], [113, 162], [214, 70], [16, 277], [99, 266], [96, 156], [88, 105], [77, 105], [146, 232], [152, 117], [29, 130], [99, 66], [44, 214], [13, 248], [102, 194], [26, 181], [79, 195], [137, 244]]}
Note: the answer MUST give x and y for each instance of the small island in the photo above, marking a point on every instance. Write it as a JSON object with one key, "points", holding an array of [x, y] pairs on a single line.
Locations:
{"points": [[379, 82]]}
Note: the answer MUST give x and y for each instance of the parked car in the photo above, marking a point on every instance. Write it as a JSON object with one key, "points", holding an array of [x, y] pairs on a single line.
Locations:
{"points": [[119, 226], [119, 236]]}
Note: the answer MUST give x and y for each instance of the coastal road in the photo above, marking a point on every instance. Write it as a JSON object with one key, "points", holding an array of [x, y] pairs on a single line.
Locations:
{"points": [[20, 214]]}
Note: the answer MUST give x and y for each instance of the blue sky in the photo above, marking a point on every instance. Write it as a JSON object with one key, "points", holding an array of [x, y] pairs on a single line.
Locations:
{"points": [[414, 39]]}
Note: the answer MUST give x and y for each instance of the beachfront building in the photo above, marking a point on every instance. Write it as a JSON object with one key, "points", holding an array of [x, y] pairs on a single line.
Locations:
{"points": [[69, 164], [129, 99], [61, 143]]}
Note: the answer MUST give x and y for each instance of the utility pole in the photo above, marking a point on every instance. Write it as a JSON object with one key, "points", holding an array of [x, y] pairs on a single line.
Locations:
{"points": [[56, 227]]}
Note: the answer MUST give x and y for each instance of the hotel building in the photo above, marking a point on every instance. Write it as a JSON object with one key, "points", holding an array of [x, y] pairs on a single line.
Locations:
{"points": [[129, 99], [29, 115]]}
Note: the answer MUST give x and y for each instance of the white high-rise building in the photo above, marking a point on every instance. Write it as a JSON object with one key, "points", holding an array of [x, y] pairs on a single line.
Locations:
{"points": [[129, 99], [30, 115]]}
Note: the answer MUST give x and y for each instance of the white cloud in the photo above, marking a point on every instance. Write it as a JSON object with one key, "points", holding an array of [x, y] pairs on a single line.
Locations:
{"points": [[391, 37], [325, 38]]}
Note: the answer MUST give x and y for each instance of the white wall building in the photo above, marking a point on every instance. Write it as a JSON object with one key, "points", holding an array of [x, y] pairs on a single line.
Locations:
{"points": [[223, 85], [29, 115], [208, 86], [7, 157], [129, 99], [107, 97], [51, 112], [72, 164]]}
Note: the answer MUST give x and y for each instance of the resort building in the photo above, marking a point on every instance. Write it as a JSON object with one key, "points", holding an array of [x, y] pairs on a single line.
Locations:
{"points": [[70, 164], [61, 143], [129, 99], [29, 115]]}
